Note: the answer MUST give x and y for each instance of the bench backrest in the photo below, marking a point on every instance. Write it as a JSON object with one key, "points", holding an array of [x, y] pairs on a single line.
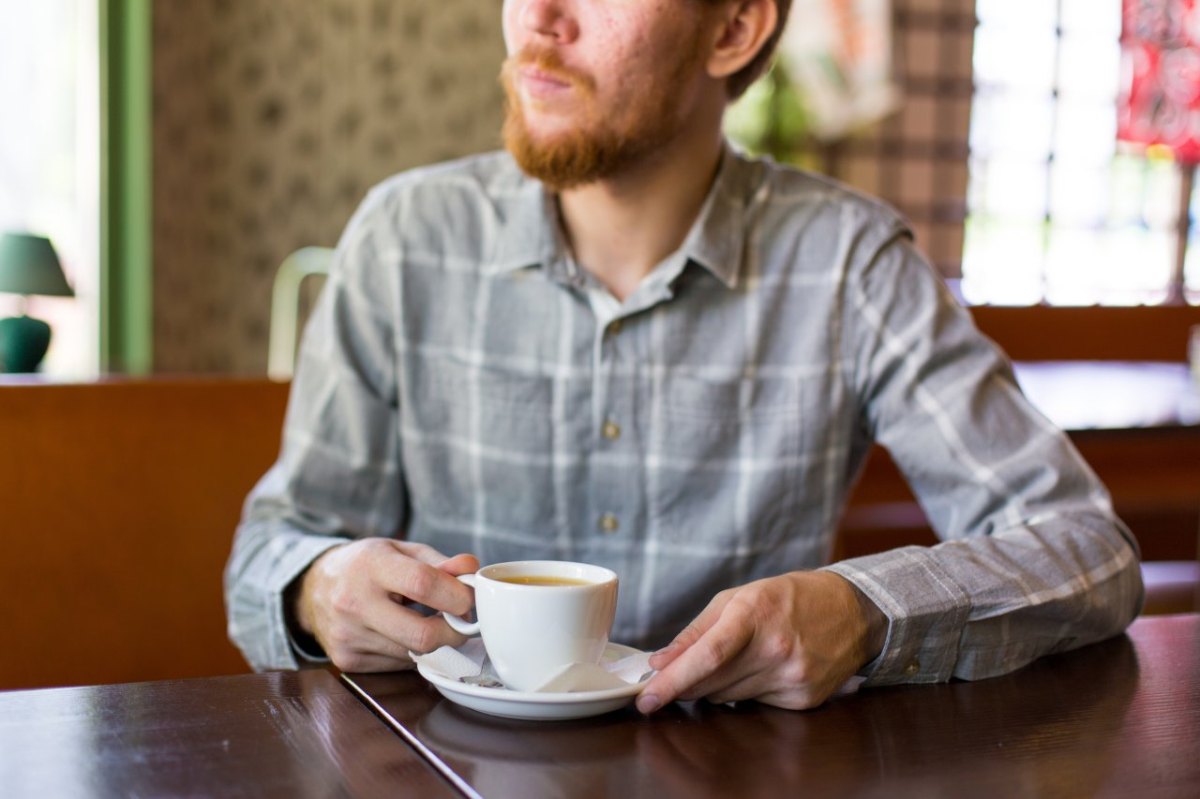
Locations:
{"points": [[118, 502]]}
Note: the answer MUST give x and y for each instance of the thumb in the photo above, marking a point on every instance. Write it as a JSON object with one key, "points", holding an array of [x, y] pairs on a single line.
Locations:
{"points": [[690, 634]]}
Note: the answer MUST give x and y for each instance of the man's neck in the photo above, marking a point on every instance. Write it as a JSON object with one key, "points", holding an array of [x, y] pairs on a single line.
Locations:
{"points": [[621, 228]]}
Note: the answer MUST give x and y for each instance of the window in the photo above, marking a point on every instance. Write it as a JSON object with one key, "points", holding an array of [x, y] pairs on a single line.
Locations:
{"points": [[1002, 155], [1058, 212], [49, 161]]}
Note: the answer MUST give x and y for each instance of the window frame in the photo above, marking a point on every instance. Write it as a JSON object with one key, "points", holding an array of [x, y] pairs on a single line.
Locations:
{"points": [[126, 187]]}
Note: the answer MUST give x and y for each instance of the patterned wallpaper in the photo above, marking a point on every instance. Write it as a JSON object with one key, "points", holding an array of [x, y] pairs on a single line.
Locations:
{"points": [[273, 117], [271, 120]]}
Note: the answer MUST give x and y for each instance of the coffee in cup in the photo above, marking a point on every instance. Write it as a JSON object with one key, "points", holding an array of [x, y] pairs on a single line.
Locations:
{"points": [[530, 579]]}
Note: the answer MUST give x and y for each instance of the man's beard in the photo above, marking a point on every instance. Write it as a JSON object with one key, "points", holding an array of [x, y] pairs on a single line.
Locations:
{"points": [[594, 149]]}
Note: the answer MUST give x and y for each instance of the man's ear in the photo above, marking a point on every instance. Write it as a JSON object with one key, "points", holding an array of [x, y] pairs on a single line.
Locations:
{"points": [[743, 27]]}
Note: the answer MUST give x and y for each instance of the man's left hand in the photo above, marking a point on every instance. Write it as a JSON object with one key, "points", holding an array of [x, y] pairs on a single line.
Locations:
{"points": [[789, 641]]}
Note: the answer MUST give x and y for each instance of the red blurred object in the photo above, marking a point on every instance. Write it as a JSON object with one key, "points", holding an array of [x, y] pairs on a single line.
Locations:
{"points": [[1160, 80]]}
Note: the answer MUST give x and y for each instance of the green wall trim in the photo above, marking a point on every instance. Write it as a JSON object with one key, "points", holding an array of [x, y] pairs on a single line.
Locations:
{"points": [[126, 241]]}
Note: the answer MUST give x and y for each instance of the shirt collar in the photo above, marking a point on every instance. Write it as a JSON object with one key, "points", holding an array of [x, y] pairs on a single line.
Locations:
{"points": [[526, 229], [529, 233], [717, 240]]}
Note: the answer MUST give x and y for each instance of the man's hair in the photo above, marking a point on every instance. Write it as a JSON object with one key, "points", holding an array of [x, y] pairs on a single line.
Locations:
{"points": [[741, 80]]}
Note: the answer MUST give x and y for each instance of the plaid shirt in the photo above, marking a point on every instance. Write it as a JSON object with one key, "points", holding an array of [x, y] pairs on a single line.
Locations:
{"points": [[464, 383]]}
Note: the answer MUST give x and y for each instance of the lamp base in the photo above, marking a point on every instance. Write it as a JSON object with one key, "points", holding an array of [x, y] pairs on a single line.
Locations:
{"points": [[23, 343]]}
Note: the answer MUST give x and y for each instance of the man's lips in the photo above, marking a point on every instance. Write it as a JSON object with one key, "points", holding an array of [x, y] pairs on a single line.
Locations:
{"points": [[539, 74], [540, 82]]}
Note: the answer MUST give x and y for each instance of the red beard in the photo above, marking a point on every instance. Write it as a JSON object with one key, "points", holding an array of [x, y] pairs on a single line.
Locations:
{"points": [[595, 148]]}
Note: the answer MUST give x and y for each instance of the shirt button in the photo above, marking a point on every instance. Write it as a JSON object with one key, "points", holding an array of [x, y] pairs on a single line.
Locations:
{"points": [[614, 327], [609, 523], [611, 430], [912, 668]]}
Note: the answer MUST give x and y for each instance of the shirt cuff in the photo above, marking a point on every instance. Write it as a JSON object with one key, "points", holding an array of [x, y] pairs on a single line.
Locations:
{"points": [[926, 611], [307, 652], [287, 650]]}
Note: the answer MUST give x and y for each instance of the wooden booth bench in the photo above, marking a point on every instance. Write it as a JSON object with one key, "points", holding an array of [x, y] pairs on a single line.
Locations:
{"points": [[118, 502]]}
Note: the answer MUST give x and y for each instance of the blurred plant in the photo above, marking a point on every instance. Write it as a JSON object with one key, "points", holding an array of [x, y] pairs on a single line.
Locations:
{"points": [[770, 118]]}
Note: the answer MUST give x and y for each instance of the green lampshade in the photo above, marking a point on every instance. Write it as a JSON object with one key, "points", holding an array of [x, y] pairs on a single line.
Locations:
{"points": [[29, 265]]}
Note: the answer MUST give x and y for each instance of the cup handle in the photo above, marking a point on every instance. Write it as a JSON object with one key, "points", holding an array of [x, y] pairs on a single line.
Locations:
{"points": [[458, 623]]}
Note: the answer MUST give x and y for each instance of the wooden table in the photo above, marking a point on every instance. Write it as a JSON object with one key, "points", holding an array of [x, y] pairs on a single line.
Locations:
{"points": [[1120, 718], [280, 734]]}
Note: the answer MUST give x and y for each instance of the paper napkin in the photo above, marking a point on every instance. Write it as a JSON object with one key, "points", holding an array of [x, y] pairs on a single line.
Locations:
{"points": [[469, 663]]}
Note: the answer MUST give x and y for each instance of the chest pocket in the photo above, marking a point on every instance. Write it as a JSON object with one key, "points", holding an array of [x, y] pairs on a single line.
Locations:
{"points": [[489, 403], [733, 424], [483, 443], [737, 454]]}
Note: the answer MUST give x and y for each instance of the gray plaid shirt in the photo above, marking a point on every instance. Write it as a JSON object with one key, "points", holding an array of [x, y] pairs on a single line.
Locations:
{"points": [[464, 383]]}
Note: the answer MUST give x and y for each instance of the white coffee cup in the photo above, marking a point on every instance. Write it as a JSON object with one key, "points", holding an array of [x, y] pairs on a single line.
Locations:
{"points": [[532, 630]]}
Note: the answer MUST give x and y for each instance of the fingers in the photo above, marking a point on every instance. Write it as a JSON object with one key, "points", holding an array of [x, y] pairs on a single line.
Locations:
{"points": [[365, 651], [410, 631], [418, 576], [459, 564], [371, 652], [354, 597], [699, 668], [790, 640], [382, 637], [762, 687], [692, 633]]}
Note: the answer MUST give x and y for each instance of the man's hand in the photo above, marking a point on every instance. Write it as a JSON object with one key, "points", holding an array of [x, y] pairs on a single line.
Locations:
{"points": [[352, 600], [789, 641]]}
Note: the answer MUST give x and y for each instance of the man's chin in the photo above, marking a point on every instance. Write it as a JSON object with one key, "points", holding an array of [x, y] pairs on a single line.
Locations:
{"points": [[549, 132], [558, 161], [557, 176]]}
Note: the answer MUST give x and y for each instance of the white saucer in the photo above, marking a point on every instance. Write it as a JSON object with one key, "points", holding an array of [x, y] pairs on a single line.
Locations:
{"points": [[538, 706]]}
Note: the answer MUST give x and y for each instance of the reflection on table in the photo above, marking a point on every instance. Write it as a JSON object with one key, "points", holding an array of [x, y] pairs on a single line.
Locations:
{"points": [[1118, 717], [281, 734]]}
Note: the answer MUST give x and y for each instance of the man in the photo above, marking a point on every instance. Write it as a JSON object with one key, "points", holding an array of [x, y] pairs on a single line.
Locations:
{"points": [[621, 342]]}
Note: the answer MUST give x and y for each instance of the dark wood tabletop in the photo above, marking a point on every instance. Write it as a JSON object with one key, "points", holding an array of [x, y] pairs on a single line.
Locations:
{"points": [[1119, 718], [280, 734]]}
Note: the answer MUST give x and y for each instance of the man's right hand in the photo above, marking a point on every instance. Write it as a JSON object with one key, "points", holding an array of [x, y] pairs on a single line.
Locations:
{"points": [[352, 600]]}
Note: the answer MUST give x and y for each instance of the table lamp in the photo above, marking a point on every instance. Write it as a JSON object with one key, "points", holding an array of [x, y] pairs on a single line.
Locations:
{"points": [[28, 265]]}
